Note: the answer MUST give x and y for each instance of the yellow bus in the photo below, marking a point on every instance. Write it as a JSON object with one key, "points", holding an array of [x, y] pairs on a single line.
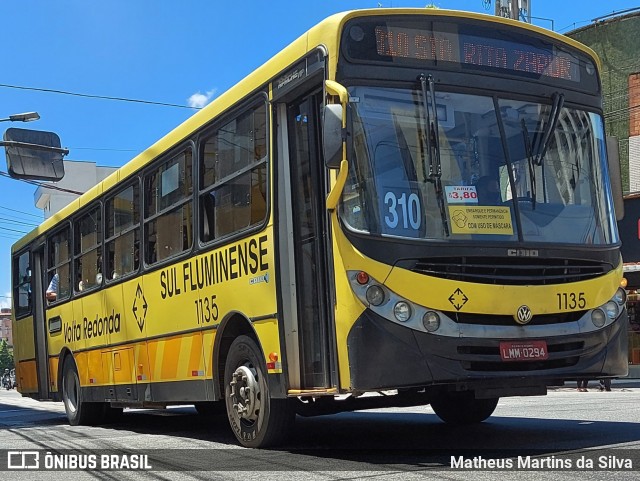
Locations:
{"points": [[413, 201]]}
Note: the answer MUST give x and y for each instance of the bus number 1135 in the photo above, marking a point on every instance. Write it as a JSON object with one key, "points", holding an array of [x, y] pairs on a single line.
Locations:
{"points": [[206, 309]]}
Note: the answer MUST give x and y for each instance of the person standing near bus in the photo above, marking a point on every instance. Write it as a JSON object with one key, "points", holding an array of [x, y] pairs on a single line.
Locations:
{"points": [[605, 384]]}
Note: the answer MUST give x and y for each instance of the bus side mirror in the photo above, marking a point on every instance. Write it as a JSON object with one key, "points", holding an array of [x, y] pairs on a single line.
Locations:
{"points": [[33, 154], [615, 176], [332, 135]]}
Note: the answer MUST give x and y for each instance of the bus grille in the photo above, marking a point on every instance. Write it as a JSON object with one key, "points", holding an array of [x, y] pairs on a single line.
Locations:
{"points": [[503, 320], [511, 271]]}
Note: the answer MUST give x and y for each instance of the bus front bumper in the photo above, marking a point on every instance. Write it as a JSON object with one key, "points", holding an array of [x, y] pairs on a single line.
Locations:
{"points": [[385, 355]]}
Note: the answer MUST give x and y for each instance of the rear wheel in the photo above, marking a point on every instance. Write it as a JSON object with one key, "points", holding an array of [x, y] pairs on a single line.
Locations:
{"points": [[79, 412], [462, 408], [256, 419]]}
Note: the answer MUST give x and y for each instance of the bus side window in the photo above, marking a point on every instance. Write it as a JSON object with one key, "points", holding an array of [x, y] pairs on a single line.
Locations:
{"points": [[59, 262], [233, 175], [22, 284], [123, 239], [88, 250], [168, 212], [208, 206]]}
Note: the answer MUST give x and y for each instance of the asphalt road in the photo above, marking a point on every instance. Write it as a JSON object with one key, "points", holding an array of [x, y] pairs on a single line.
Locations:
{"points": [[564, 435]]}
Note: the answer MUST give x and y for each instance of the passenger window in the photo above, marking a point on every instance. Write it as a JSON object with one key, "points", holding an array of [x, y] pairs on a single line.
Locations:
{"points": [[22, 284], [88, 251], [123, 242], [59, 265], [233, 176], [168, 209]]}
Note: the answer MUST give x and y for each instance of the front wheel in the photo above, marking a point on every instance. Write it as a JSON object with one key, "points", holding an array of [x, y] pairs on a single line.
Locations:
{"points": [[257, 420], [461, 408]]}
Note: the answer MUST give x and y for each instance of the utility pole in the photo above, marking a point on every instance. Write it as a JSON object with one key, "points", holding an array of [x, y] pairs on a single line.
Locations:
{"points": [[514, 9]]}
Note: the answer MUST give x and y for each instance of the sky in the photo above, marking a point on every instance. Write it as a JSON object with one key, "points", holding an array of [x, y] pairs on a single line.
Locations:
{"points": [[183, 53]]}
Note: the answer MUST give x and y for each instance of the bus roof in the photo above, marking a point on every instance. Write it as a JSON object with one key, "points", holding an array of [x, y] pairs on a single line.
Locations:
{"points": [[326, 33]]}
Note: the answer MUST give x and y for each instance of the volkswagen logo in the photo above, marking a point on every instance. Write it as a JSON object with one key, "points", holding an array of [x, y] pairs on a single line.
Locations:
{"points": [[523, 315]]}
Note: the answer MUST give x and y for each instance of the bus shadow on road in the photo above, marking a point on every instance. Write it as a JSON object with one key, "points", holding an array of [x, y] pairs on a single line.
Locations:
{"points": [[369, 430], [391, 440], [415, 440], [183, 421], [360, 440], [398, 431]]}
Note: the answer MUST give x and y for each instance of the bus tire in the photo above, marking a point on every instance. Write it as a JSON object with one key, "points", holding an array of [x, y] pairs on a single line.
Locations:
{"points": [[462, 408], [79, 412], [256, 419]]}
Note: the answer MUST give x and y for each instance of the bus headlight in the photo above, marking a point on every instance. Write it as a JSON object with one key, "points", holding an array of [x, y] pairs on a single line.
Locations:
{"points": [[375, 295], [598, 317], [620, 296], [431, 321], [612, 309], [402, 311]]}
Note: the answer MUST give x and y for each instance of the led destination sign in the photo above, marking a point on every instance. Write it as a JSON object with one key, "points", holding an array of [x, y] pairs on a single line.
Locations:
{"points": [[465, 46]]}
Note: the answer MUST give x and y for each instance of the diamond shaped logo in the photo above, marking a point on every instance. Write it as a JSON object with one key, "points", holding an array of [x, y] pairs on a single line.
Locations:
{"points": [[458, 299], [140, 308]]}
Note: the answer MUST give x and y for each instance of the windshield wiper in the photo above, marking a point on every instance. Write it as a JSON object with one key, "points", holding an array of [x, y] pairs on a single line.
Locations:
{"points": [[535, 157], [530, 162], [554, 115], [433, 148]]}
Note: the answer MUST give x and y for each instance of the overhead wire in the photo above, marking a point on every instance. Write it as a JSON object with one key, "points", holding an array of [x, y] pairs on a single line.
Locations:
{"points": [[44, 185], [18, 222], [102, 97], [14, 230], [20, 212]]}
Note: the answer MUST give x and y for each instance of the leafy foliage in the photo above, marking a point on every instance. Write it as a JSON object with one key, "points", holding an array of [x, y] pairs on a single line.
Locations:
{"points": [[6, 357]]}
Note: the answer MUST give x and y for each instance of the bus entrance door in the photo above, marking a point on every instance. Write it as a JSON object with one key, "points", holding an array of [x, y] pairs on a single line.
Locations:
{"points": [[308, 218], [40, 325]]}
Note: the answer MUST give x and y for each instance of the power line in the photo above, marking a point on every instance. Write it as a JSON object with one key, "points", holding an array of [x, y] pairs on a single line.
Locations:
{"points": [[18, 222], [39, 217], [104, 149], [14, 230], [21, 212], [42, 184], [102, 97]]}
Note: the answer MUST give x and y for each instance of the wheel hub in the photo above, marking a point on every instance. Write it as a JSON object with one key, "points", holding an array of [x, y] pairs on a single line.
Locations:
{"points": [[245, 393]]}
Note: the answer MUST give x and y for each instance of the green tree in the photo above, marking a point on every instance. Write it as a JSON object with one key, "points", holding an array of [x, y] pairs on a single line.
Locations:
{"points": [[6, 357]]}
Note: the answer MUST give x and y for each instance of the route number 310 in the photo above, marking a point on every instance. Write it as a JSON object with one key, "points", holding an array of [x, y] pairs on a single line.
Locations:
{"points": [[402, 211]]}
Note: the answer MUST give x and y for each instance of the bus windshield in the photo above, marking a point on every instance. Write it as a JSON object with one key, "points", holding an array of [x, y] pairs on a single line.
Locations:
{"points": [[507, 170]]}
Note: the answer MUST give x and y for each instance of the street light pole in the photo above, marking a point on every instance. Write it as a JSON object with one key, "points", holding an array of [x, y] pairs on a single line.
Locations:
{"points": [[25, 117]]}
